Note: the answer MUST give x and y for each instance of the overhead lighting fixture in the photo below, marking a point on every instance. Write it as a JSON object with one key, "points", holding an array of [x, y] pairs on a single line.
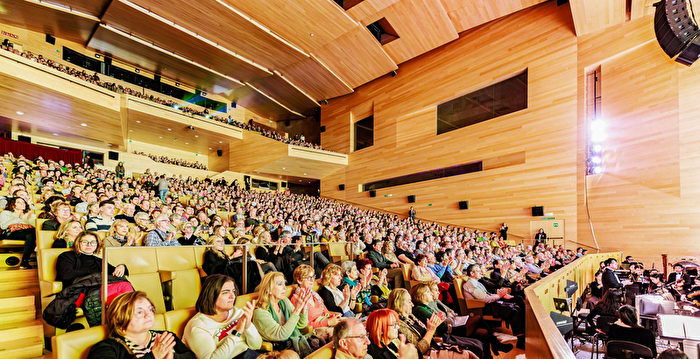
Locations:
{"points": [[83, 124], [177, 84], [97, 56], [196, 136], [20, 113], [137, 70], [187, 143], [221, 141], [209, 148], [131, 130], [55, 134], [170, 129], [137, 121], [160, 136], [204, 93], [304, 174], [284, 168]]}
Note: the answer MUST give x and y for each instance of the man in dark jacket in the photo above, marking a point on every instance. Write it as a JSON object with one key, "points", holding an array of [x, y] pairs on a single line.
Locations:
{"points": [[378, 260]]}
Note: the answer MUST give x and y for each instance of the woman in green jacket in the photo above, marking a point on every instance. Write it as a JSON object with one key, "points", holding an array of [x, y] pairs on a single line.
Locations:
{"points": [[277, 319]]}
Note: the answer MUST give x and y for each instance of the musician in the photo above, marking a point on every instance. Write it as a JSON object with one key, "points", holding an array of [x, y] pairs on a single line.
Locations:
{"points": [[639, 281], [610, 279], [679, 280], [656, 283]]}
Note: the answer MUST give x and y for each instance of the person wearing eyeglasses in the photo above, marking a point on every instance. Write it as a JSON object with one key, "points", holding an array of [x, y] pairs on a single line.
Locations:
{"points": [[83, 260], [130, 320], [161, 236], [350, 339], [385, 341], [319, 317]]}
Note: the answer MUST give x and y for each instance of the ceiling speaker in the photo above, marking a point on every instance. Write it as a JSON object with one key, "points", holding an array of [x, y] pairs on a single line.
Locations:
{"points": [[341, 187], [537, 211], [463, 204], [412, 198], [373, 193]]}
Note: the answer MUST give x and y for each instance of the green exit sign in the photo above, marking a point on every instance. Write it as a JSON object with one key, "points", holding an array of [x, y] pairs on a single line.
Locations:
{"points": [[556, 224], [430, 204]]}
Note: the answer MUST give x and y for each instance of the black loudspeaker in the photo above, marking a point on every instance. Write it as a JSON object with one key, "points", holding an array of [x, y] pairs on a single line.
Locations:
{"points": [[373, 193], [463, 204], [537, 211], [108, 60], [24, 139], [156, 78], [674, 27], [323, 129], [690, 54], [341, 187], [50, 39], [412, 199], [284, 184], [287, 123], [219, 153], [233, 105], [114, 156]]}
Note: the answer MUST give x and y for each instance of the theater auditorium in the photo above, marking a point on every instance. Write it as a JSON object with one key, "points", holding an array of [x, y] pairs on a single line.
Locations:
{"points": [[477, 179]]}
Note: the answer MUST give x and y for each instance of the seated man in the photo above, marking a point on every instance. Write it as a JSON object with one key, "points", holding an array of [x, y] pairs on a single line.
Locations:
{"points": [[161, 236], [501, 304], [378, 260], [103, 221]]}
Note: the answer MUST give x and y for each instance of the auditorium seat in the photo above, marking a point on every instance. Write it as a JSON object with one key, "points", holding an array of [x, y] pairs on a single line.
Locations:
{"points": [[46, 267], [143, 271], [44, 239], [337, 252], [176, 320], [178, 271], [324, 352], [470, 306]]}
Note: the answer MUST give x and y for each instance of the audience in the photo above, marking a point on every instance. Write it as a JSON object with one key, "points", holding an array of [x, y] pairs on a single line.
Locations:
{"points": [[131, 335], [336, 300], [14, 222], [66, 234], [627, 328]]}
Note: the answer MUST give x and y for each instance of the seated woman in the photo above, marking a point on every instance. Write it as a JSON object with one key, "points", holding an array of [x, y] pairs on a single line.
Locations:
{"points": [[219, 330], [378, 283], [335, 299], [383, 329], [14, 222], [607, 308], [422, 296], [280, 320], [49, 198], [319, 318], [130, 324], [626, 328], [353, 280], [82, 260], [596, 291], [188, 237], [421, 272], [66, 234], [61, 213], [119, 236]]}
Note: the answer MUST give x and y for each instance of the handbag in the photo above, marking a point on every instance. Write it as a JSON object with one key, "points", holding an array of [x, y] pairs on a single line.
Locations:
{"points": [[18, 227]]}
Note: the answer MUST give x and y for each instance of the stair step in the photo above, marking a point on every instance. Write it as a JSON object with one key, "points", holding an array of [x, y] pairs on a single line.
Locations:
{"points": [[8, 304], [25, 315], [19, 293], [22, 348], [11, 275], [20, 284], [11, 332]]}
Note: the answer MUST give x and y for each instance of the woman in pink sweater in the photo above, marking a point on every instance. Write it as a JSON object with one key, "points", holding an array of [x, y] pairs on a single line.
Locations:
{"points": [[319, 317]]}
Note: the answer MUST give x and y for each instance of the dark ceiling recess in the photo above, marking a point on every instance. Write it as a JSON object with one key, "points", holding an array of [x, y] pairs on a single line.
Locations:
{"points": [[383, 31]]}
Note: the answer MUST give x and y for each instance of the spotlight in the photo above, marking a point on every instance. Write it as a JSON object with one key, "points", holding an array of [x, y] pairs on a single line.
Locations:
{"points": [[204, 93], [596, 160], [190, 127], [597, 149], [137, 70], [597, 170], [177, 84], [394, 73], [20, 113]]}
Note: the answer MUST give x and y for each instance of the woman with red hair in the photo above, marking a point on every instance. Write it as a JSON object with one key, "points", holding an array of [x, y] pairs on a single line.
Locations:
{"points": [[383, 329]]}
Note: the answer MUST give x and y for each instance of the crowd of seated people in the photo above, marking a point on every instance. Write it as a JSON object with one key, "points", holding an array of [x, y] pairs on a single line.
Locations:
{"points": [[101, 209], [95, 80], [173, 161]]}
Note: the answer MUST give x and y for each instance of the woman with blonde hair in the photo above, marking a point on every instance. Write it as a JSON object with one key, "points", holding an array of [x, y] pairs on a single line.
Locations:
{"points": [[131, 335], [416, 332], [278, 319], [66, 234], [319, 317], [335, 299], [120, 236]]}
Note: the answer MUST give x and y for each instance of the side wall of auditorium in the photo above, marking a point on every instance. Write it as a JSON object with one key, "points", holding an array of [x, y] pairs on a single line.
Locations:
{"points": [[645, 197]]}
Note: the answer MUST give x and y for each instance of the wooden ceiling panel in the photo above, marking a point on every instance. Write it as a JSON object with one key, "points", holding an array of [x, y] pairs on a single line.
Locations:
{"points": [[310, 24], [417, 34], [367, 8], [129, 19], [46, 112], [90, 7], [356, 57], [319, 82], [594, 15], [261, 105], [285, 93], [466, 14], [126, 48], [48, 19], [220, 24]]}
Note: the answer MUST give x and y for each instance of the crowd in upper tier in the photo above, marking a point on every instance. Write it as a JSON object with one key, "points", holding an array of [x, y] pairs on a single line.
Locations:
{"points": [[90, 208], [95, 79], [173, 161]]}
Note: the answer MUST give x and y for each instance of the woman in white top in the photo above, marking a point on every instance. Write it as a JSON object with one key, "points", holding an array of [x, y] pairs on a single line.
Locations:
{"points": [[219, 330], [15, 224]]}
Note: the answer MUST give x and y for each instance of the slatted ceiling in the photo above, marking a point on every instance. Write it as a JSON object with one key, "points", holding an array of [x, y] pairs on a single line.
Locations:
{"points": [[227, 28], [295, 21], [47, 19], [317, 81], [129, 50], [90, 7], [594, 15], [341, 56], [432, 29], [147, 27], [641, 8], [282, 91], [466, 14], [367, 8], [260, 104]]}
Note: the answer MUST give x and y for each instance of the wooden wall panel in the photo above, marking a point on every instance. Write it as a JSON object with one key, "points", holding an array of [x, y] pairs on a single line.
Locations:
{"points": [[645, 203], [405, 142], [591, 16]]}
